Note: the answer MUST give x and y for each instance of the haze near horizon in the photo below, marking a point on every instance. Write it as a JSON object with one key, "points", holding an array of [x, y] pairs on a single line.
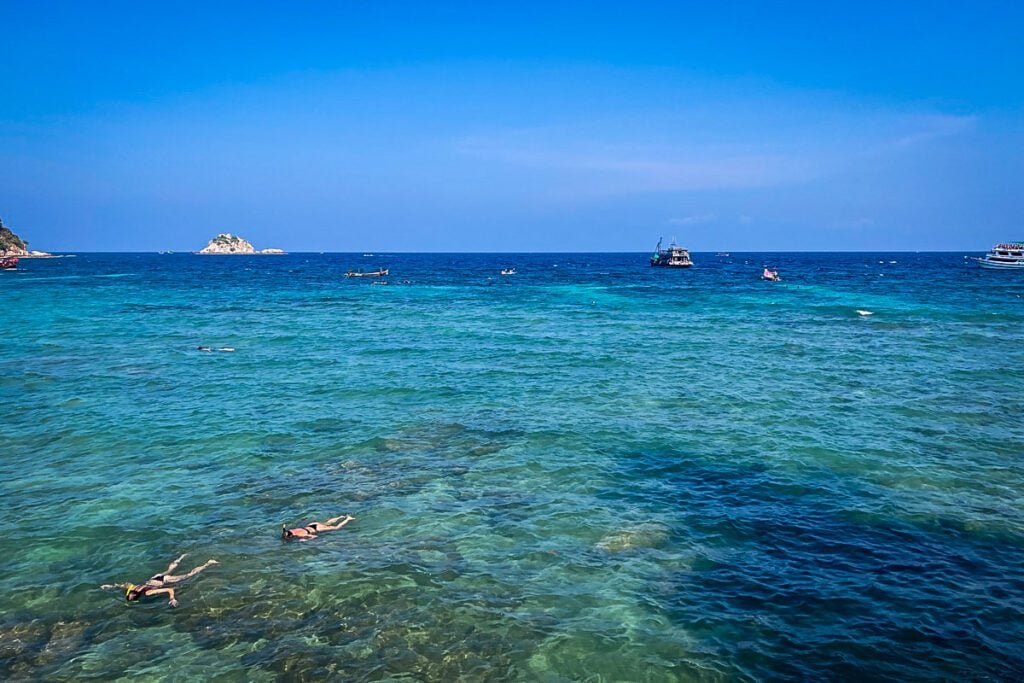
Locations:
{"points": [[568, 127]]}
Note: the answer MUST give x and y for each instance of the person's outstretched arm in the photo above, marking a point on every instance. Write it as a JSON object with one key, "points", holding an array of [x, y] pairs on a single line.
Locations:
{"points": [[120, 586], [170, 595]]}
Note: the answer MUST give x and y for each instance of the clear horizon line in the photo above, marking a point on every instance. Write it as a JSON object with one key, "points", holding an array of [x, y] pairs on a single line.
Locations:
{"points": [[646, 251]]}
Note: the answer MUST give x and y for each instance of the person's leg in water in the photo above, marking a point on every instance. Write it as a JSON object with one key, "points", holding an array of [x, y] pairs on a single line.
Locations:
{"points": [[168, 579], [331, 524], [174, 565]]}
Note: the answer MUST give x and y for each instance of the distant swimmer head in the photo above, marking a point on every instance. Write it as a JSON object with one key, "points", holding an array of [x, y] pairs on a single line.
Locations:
{"points": [[286, 533], [132, 592]]}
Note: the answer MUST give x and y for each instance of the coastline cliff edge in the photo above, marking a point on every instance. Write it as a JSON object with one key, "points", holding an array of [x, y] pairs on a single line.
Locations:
{"points": [[13, 246]]}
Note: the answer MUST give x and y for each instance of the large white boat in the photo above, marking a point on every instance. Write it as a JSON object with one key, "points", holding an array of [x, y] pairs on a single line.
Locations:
{"points": [[673, 257], [1006, 255]]}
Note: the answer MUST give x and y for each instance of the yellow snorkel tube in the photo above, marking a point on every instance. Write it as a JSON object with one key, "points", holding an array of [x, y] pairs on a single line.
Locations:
{"points": [[128, 591]]}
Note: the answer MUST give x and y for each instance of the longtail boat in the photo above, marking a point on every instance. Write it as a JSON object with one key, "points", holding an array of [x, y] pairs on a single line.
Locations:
{"points": [[8, 262], [375, 273]]}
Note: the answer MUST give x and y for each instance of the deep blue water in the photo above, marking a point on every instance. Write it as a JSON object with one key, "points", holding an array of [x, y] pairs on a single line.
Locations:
{"points": [[589, 470]]}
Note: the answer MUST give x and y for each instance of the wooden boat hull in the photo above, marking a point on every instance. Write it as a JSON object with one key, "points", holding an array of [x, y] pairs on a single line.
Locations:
{"points": [[376, 273]]}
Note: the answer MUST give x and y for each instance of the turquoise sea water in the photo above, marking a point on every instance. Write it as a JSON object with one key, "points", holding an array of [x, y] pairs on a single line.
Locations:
{"points": [[591, 470]]}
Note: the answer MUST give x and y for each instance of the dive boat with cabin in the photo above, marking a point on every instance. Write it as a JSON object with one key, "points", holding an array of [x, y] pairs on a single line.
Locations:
{"points": [[1005, 255], [8, 262], [673, 257]]}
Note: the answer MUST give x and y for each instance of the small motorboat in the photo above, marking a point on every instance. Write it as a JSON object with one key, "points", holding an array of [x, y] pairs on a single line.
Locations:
{"points": [[8, 262], [375, 273], [508, 271], [771, 275]]}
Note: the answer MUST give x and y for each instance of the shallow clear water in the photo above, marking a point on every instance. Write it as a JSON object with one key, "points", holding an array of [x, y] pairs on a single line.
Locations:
{"points": [[589, 470]]}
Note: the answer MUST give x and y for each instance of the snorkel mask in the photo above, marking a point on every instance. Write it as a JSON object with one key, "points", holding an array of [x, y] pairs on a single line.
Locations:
{"points": [[128, 591]]}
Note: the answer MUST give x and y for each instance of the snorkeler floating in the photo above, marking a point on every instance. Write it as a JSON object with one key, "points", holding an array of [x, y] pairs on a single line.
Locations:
{"points": [[158, 583], [313, 528]]}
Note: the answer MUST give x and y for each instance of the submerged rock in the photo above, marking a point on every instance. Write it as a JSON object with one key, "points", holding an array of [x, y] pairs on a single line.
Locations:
{"points": [[649, 535], [20, 644], [66, 638]]}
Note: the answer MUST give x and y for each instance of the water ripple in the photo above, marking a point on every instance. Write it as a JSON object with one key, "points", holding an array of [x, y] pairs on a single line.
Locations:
{"points": [[597, 471]]}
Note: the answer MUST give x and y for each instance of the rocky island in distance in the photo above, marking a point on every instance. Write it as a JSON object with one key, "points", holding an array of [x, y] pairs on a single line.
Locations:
{"points": [[228, 244], [13, 246]]}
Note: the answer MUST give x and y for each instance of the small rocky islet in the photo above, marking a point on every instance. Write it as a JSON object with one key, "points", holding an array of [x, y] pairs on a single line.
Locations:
{"points": [[228, 244]]}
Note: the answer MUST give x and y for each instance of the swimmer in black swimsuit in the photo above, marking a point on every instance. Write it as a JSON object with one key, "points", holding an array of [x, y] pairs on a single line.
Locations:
{"points": [[158, 583], [314, 528]]}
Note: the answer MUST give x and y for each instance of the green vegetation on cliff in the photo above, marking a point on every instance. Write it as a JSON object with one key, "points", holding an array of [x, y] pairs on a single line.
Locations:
{"points": [[9, 242]]}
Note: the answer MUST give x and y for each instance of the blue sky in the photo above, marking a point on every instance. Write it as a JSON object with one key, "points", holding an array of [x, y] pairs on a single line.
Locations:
{"points": [[352, 126]]}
